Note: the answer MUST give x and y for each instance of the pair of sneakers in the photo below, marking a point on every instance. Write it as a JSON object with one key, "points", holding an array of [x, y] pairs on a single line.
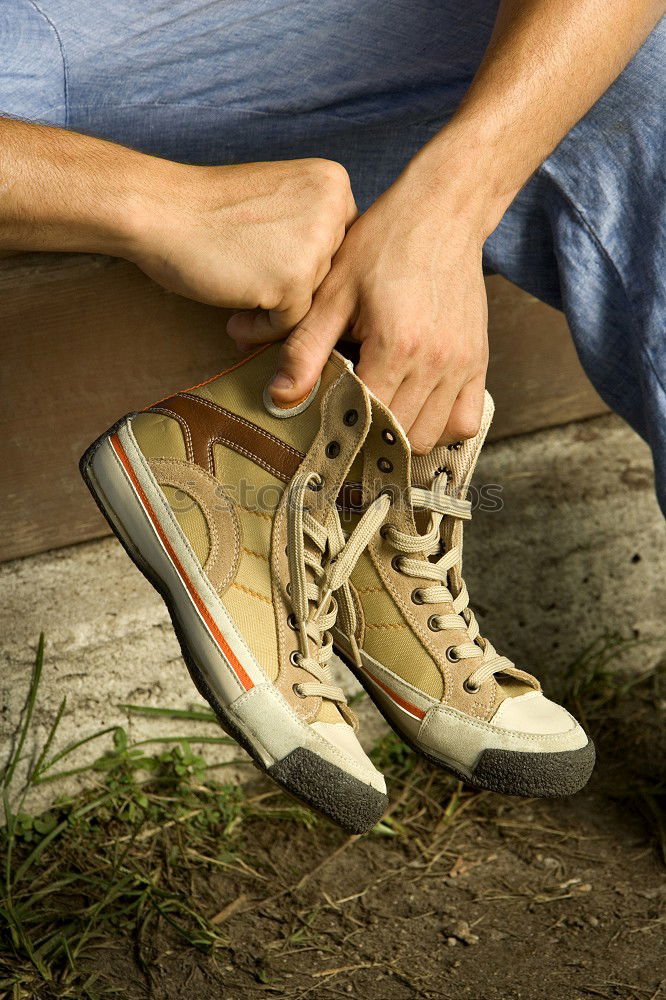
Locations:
{"points": [[278, 535]]}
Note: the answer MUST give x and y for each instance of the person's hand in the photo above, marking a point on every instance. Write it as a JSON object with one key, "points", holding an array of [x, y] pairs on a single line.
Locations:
{"points": [[407, 284], [258, 235]]}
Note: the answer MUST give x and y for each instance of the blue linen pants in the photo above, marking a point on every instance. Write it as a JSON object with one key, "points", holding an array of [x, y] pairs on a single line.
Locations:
{"points": [[368, 82]]}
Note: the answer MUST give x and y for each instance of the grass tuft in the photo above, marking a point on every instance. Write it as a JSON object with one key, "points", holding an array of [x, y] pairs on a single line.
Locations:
{"points": [[116, 858]]}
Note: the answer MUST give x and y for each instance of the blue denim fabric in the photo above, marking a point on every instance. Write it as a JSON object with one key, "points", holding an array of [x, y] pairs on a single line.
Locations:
{"points": [[367, 82]]}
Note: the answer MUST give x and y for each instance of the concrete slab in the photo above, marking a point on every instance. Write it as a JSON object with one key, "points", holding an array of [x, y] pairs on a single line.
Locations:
{"points": [[577, 549]]}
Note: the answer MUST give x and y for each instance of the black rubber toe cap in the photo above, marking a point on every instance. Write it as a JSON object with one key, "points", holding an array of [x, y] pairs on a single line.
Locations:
{"points": [[543, 775], [341, 797]]}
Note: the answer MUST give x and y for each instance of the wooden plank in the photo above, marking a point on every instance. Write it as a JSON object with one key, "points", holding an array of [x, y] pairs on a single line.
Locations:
{"points": [[85, 339], [534, 373]]}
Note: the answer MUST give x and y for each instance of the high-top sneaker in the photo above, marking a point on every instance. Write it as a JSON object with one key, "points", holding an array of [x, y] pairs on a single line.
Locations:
{"points": [[227, 505], [417, 648]]}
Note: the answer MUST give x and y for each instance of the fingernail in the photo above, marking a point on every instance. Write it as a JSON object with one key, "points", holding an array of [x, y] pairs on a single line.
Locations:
{"points": [[282, 381]]}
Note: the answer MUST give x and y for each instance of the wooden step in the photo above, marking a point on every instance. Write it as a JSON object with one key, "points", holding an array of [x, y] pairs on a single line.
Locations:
{"points": [[85, 339]]}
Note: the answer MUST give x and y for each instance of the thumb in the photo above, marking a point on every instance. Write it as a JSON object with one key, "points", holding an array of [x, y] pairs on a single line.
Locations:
{"points": [[307, 349]]}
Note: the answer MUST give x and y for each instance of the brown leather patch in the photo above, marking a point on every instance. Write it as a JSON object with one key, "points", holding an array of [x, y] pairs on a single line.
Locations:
{"points": [[205, 424]]}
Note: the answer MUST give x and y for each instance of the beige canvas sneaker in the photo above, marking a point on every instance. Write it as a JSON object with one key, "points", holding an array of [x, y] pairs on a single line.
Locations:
{"points": [[417, 648], [227, 505]]}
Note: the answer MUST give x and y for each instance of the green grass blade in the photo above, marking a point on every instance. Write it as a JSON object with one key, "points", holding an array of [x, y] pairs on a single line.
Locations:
{"points": [[29, 709]]}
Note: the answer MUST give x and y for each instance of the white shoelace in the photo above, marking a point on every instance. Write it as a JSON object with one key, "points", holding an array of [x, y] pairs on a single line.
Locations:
{"points": [[440, 505], [314, 583]]}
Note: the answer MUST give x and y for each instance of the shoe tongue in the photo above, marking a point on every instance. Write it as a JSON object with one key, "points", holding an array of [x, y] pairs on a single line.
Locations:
{"points": [[459, 459]]}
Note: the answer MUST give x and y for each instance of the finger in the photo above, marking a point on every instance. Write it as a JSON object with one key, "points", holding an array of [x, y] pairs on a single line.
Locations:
{"points": [[248, 329], [429, 425], [282, 321], [379, 367], [410, 398], [256, 326], [307, 349], [465, 416]]}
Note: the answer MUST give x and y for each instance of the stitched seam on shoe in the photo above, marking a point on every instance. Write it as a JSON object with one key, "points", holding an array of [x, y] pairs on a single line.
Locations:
{"points": [[488, 728], [251, 592], [234, 446], [257, 555], [247, 423], [185, 427]]}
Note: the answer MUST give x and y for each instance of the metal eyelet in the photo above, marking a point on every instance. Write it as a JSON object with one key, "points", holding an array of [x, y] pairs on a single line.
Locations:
{"points": [[444, 469], [384, 531], [332, 449], [432, 624], [452, 655], [295, 658], [456, 446], [417, 596], [396, 563], [350, 418], [470, 688], [291, 622], [384, 465], [288, 589], [316, 484], [296, 688], [389, 436]]}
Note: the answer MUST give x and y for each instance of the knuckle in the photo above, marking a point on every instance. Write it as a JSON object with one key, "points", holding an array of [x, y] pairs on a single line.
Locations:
{"points": [[272, 296], [438, 356], [333, 174], [464, 425], [422, 445], [406, 347]]}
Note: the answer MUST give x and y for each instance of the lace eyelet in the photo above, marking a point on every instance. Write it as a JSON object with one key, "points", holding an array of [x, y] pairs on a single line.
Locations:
{"points": [[417, 596], [295, 658], [296, 688], [332, 449], [470, 688], [396, 563], [452, 655], [383, 531], [350, 418], [291, 622], [389, 436], [288, 590], [384, 465], [316, 484], [456, 446], [432, 624], [444, 469]]}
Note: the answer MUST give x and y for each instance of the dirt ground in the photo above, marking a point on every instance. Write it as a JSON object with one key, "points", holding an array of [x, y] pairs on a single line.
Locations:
{"points": [[474, 896], [525, 901], [173, 885]]}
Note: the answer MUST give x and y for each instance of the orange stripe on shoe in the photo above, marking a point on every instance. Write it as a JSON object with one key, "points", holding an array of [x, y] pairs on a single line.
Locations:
{"points": [[402, 702], [226, 371], [235, 664]]}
